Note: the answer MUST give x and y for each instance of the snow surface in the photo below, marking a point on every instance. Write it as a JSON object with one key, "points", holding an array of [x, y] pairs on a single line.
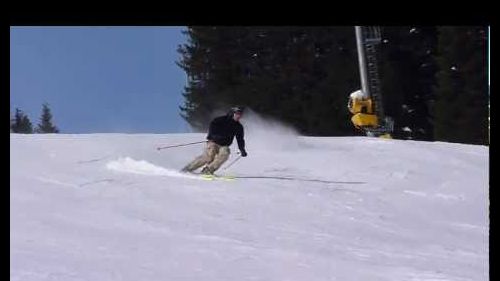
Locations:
{"points": [[112, 207]]}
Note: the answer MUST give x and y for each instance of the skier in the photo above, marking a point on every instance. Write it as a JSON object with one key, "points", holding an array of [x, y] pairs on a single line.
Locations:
{"points": [[220, 136]]}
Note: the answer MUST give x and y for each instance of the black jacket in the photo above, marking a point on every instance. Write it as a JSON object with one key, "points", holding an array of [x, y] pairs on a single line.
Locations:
{"points": [[223, 129]]}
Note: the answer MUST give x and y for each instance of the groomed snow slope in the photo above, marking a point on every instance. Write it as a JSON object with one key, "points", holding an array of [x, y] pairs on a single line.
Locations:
{"points": [[112, 207]]}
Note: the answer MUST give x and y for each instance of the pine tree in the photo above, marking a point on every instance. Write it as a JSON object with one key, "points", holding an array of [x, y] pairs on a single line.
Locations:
{"points": [[461, 107], [304, 75], [408, 71], [21, 123], [45, 126], [300, 75]]}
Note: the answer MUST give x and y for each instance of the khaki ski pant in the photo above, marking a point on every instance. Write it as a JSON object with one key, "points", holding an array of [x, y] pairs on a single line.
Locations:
{"points": [[213, 156]]}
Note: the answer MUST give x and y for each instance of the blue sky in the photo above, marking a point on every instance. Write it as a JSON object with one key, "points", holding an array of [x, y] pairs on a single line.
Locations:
{"points": [[99, 79]]}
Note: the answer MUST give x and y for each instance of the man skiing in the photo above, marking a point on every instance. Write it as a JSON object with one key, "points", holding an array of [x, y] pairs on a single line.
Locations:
{"points": [[220, 136]]}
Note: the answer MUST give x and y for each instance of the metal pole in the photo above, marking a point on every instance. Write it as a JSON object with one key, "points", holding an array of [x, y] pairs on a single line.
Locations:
{"points": [[170, 146], [362, 62], [239, 157]]}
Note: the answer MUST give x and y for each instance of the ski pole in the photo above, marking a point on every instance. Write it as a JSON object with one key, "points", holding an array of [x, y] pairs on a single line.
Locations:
{"points": [[177, 145], [239, 157]]}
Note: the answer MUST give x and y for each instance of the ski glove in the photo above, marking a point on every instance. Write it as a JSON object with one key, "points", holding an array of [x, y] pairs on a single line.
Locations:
{"points": [[244, 153]]}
